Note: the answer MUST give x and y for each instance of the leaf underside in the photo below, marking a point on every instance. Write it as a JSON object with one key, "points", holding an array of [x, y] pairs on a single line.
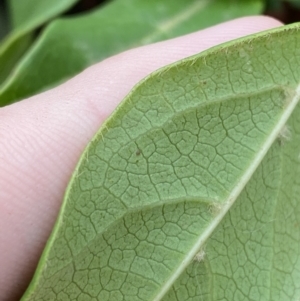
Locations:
{"points": [[190, 190]]}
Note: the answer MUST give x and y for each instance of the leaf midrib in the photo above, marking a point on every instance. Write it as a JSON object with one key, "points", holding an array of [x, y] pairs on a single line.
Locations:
{"points": [[233, 195]]}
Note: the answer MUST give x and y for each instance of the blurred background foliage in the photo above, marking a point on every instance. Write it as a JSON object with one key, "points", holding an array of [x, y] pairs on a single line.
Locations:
{"points": [[43, 43]]}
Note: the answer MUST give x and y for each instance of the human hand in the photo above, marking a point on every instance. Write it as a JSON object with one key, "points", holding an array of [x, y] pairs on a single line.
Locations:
{"points": [[42, 138]]}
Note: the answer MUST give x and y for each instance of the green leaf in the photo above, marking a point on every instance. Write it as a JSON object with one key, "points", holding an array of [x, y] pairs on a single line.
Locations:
{"points": [[33, 13], [69, 45], [26, 16], [190, 190]]}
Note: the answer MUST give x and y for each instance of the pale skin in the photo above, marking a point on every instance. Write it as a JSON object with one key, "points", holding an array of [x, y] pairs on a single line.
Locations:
{"points": [[43, 136]]}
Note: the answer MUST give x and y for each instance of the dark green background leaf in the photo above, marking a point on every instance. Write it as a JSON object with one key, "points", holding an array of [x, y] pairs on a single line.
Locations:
{"points": [[26, 16], [69, 45], [4, 23], [29, 14]]}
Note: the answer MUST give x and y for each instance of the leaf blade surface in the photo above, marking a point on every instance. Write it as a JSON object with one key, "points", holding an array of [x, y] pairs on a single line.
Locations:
{"points": [[172, 170]]}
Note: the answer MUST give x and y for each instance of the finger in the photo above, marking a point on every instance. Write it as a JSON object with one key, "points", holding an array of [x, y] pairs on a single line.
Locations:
{"points": [[42, 138]]}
